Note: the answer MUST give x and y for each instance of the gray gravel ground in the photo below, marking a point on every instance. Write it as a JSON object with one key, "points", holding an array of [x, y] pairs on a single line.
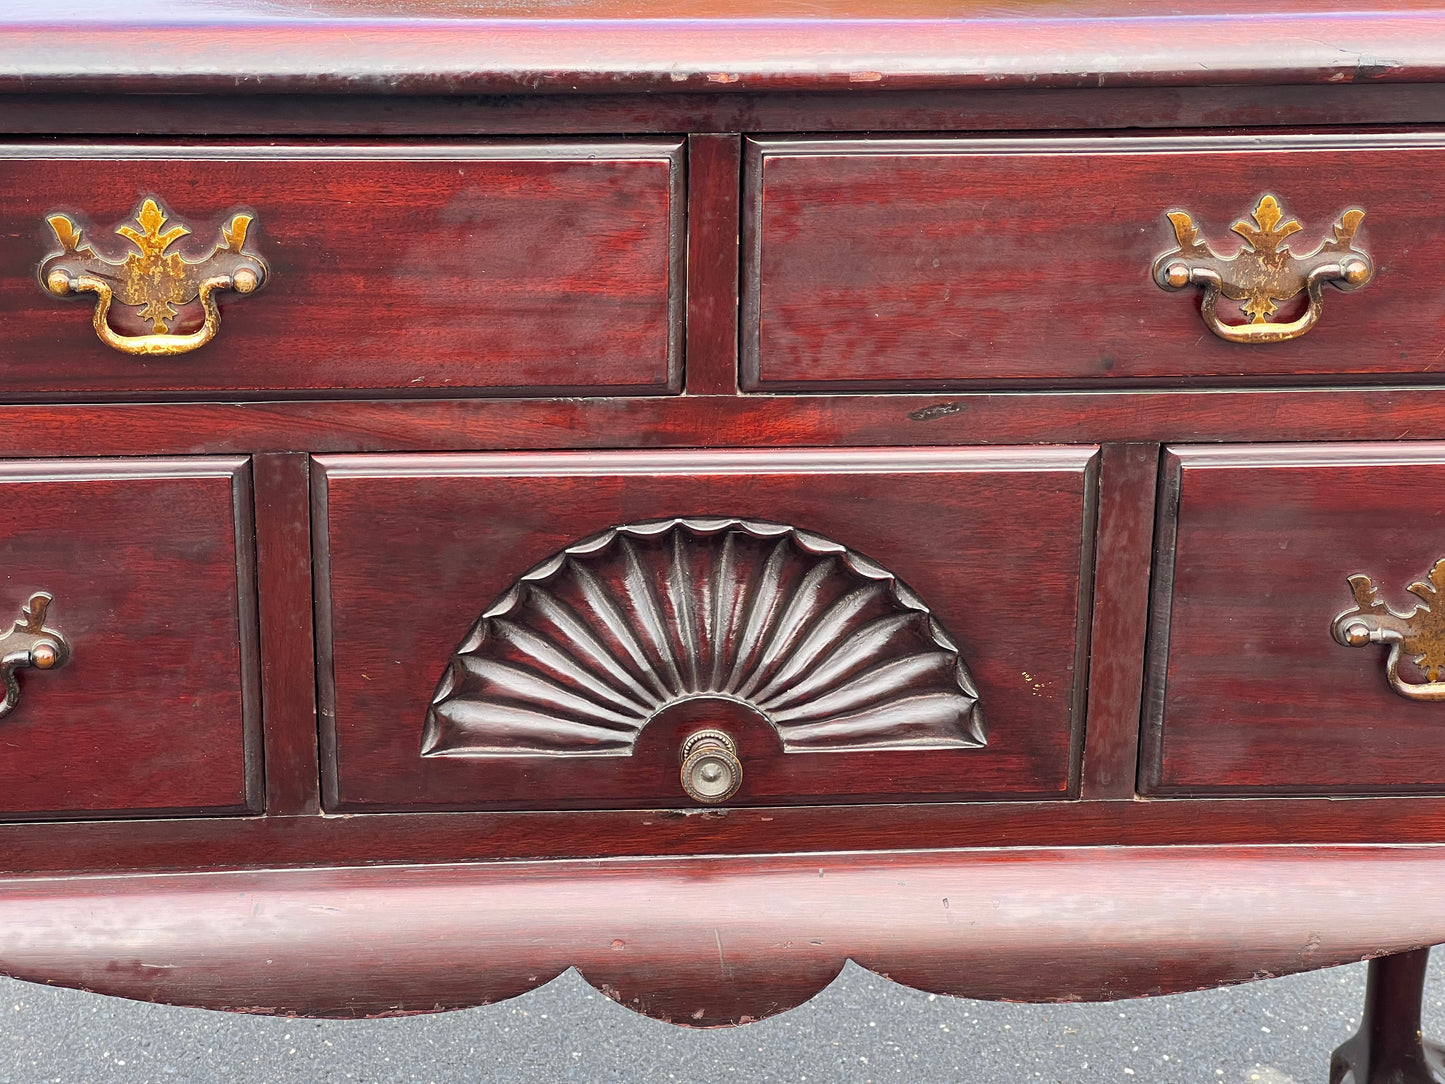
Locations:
{"points": [[860, 1030]]}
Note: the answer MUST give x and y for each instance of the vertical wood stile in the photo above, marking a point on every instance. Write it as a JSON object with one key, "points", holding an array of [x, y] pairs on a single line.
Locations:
{"points": [[714, 163], [288, 670], [1127, 482]]}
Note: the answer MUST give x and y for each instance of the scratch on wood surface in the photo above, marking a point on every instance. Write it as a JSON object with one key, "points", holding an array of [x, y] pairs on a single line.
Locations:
{"points": [[938, 410]]}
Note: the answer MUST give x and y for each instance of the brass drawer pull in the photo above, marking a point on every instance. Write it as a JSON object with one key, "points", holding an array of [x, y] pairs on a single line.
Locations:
{"points": [[153, 279], [1419, 634], [711, 771], [29, 643], [1264, 272]]}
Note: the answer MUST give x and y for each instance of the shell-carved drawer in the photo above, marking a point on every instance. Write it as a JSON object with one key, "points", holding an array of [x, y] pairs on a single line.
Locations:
{"points": [[701, 628]]}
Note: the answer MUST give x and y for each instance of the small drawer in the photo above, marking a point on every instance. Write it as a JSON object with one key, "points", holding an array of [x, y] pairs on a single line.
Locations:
{"points": [[1251, 690], [425, 269], [550, 631], [152, 706], [950, 263]]}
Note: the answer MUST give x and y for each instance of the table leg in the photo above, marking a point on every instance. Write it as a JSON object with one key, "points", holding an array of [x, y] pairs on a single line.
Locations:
{"points": [[1388, 1048]]}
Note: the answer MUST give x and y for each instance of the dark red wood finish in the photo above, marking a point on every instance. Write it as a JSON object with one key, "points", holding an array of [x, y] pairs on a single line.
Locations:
{"points": [[713, 941], [406, 838], [946, 523], [918, 263], [150, 563], [1388, 1048], [622, 269], [418, 269], [710, 112], [288, 678], [1381, 413], [605, 47], [1122, 558], [1249, 691], [714, 165]]}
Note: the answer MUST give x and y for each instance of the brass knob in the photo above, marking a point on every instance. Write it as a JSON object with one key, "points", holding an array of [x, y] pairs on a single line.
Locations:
{"points": [[30, 643], [1177, 275], [711, 771]]}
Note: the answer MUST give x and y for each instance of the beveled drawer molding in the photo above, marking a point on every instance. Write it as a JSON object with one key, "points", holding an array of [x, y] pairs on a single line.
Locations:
{"points": [[913, 263], [497, 268]]}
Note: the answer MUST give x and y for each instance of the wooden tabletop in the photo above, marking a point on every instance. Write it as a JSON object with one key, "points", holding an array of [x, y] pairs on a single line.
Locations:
{"points": [[601, 46]]}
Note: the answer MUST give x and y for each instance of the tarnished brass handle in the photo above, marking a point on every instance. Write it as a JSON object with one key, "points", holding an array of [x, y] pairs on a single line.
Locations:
{"points": [[1419, 634], [152, 279], [29, 643], [1264, 272], [711, 771]]}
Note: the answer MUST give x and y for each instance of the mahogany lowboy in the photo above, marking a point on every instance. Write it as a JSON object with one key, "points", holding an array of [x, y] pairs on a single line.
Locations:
{"points": [[702, 495]]}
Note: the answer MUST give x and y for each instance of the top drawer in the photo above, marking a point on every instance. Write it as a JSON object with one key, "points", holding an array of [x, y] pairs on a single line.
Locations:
{"points": [[950, 262], [503, 267]]}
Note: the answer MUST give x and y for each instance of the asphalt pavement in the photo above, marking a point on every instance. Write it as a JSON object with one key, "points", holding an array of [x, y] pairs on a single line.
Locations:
{"points": [[860, 1030]]}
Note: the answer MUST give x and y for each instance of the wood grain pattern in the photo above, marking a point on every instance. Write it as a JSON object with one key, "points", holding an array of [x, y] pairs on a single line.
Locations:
{"points": [[149, 565], [288, 680], [1256, 572], [943, 522], [1351, 105], [1382, 412], [272, 842], [1122, 557], [490, 239], [599, 52], [714, 168], [441, 306], [686, 940], [1031, 261]]}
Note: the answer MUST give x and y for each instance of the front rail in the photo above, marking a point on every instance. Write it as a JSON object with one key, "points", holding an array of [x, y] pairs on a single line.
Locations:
{"points": [[711, 941]]}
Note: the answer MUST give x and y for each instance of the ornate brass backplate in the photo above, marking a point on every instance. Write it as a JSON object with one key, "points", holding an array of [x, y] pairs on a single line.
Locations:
{"points": [[29, 643], [1263, 273], [153, 278], [1419, 634]]}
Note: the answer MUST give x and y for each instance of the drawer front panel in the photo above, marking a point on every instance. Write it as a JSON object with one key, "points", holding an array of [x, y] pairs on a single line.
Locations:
{"points": [[608, 606], [947, 262], [425, 269], [148, 562], [1250, 690]]}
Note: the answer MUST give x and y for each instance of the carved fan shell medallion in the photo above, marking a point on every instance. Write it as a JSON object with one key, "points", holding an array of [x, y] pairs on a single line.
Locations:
{"points": [[581, 652]]}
